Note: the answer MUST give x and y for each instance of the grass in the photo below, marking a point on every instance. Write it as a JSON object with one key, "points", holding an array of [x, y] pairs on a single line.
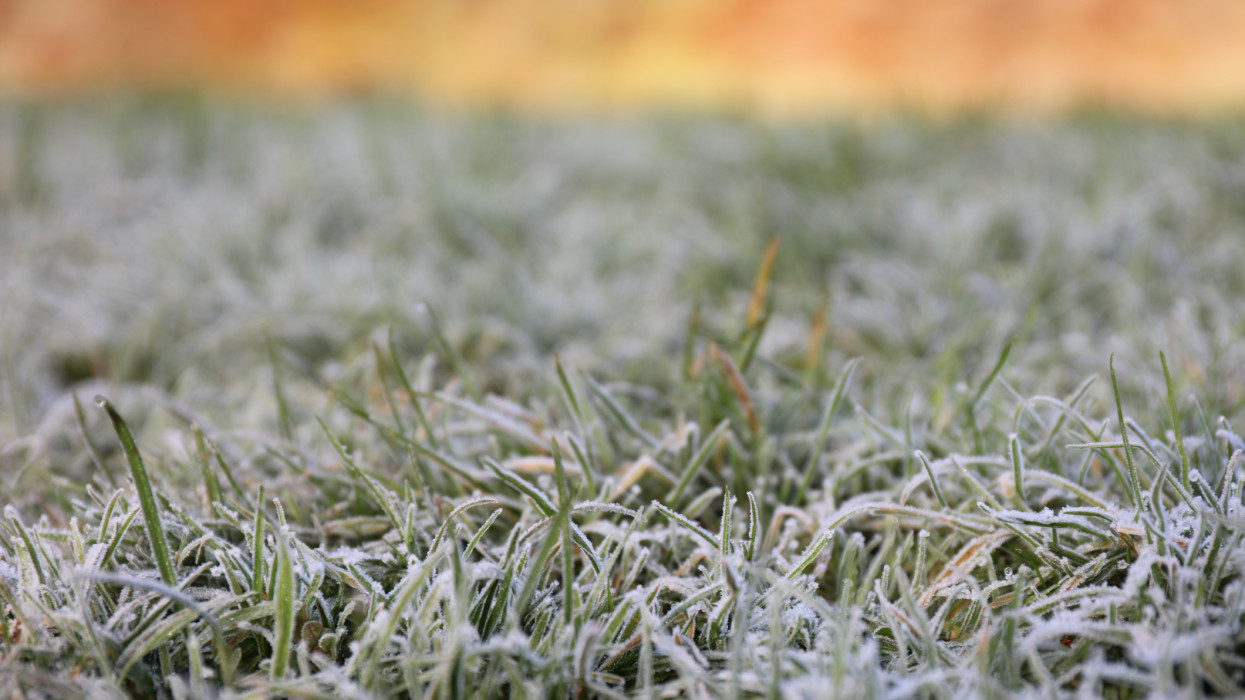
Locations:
{"points": [[705, 408]]}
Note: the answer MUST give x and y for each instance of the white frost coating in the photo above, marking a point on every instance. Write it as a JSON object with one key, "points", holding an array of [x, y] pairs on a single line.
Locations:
{"points": [[1232, 438], [347, 556], [1163, 646], [380, 621], [313, 567], [1139, 572], [94, 554], [800, 614], [484, 570], [9, 573]]}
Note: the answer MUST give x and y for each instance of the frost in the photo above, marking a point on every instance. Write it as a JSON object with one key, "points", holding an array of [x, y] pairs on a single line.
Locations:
{"points": [[1232, 438], [94, 554], [347, 556], [9, 573], [483, 571], [313, 567]]}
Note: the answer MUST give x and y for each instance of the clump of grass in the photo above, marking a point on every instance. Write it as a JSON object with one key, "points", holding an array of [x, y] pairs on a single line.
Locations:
{"points": [[451, 547], [881, 470]]}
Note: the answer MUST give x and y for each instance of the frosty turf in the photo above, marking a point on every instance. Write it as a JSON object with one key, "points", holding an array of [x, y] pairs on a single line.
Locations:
{"points": [[546, 586], [880, 459]]}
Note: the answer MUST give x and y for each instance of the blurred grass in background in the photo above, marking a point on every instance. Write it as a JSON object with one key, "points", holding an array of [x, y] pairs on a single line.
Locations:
{"points": [[158, 241]]}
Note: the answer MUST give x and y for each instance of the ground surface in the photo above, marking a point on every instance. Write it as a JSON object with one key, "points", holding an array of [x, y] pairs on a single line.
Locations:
{"points": [[741, 499]]}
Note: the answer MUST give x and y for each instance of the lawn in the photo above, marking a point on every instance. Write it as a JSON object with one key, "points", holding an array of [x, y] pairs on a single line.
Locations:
{"points": [[396, 403]]}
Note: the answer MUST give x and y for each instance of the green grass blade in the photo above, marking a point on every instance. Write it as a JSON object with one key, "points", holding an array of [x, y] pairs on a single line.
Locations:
{"points": [[707, 448], [285, 425], [151, 513], [564, 525], [823, 430], [257, 547], [283, 632], [384, 383], [210, 482], [1171, 408], [754, 527], [1134, 479], [1018, 469], [683, 520], [91, 449], [933, 480], [994, 372], [620, 414], [380, 494], [811, 554], [411, 393], [523, 486], [456, 359]]}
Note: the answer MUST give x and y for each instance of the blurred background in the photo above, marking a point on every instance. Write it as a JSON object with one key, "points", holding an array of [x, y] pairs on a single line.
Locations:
{"points": [[768, 56]]}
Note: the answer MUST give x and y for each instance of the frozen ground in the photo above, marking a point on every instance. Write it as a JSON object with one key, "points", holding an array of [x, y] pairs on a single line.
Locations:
{"points": [[171, 254]]}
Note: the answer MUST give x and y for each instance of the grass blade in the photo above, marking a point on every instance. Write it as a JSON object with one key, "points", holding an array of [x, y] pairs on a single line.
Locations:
{"points": [[411, 393], [257, 547], [994, 372], [761, 283], [754, 527], [933, 480], [1134, 479], [1171, 407], [823, 430], [151, 513], [285, 601], [1018, 469], [707, 448], [691, 526]]}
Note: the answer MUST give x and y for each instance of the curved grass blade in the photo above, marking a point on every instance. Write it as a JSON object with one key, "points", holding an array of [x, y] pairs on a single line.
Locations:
{"points": [[686, 522], [151, 513], [811, 554], [933, 480]]}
